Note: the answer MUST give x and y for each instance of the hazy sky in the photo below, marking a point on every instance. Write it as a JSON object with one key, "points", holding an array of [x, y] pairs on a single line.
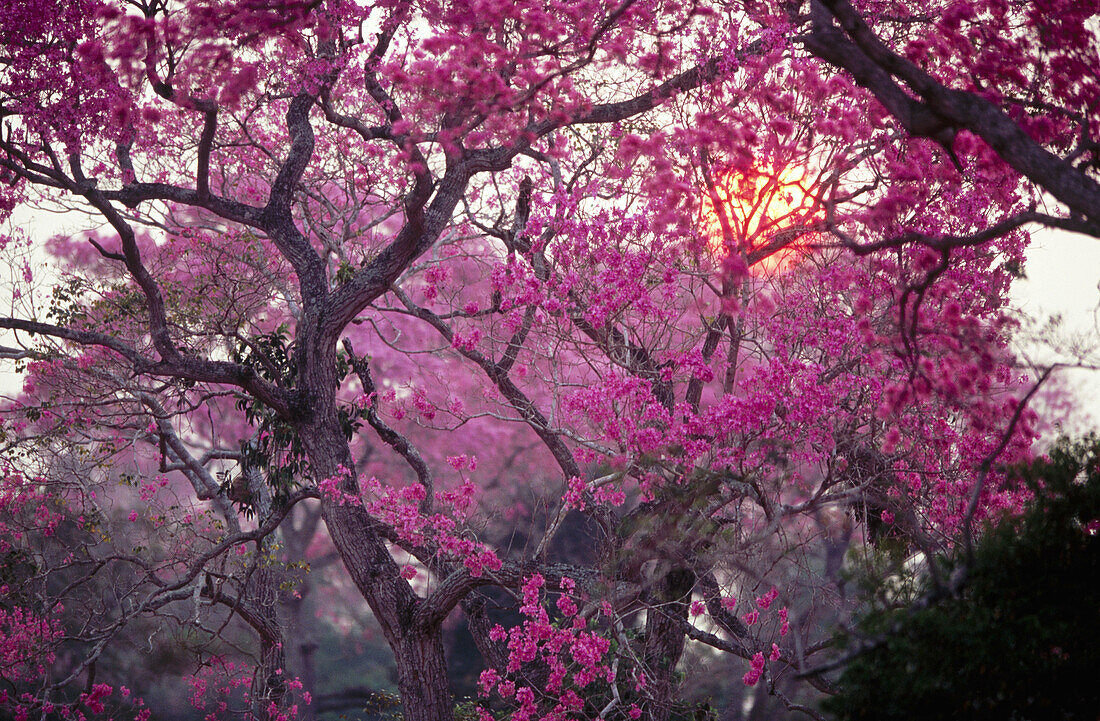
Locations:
{"points": [[1063, 278]]}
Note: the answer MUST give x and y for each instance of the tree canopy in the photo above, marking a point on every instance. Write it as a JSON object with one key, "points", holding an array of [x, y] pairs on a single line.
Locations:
{"points": [[611, 327]]}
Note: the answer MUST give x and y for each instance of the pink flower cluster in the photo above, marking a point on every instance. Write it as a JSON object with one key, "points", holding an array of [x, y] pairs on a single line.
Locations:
{"points": [[221, 686], [26, 642], [756, 670], [574, 656], [401, 509]]}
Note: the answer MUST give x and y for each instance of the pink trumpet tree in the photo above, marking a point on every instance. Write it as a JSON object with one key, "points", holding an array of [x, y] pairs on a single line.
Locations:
{"points": [[398, 279]]}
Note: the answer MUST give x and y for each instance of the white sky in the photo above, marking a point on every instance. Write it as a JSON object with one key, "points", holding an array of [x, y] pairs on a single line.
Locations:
{"points": [[1063, 279]]}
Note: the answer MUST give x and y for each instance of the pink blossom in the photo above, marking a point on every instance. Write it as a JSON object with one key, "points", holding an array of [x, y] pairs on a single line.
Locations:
{"points": [[487, 681]]}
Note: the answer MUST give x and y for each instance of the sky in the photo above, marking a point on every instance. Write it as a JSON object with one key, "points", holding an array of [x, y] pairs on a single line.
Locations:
{"points": [[1063, 280], [1063, 276]]}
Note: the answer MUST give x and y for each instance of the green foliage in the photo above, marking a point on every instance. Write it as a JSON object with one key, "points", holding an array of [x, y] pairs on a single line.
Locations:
{"points": [[277, 450], [67, 301], [466, 710], [345, 272], [1021, 641]]}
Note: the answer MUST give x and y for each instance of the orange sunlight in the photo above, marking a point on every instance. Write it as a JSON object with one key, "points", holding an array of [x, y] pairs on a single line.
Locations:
{"points": [[749, 211]]}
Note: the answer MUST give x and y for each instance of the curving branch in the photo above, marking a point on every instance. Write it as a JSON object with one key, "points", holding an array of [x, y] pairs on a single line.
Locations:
{"points": [[519, 401], [944, 243], [276, 219], [420, 232], [182, 367], [399, 443], [206, 144], [938, 112]]}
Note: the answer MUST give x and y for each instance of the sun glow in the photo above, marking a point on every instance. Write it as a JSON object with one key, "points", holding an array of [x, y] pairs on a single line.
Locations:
{"points": [[760, 213]]}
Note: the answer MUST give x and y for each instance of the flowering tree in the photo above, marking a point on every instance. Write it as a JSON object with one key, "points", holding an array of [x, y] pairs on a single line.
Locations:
{"points": [[727, 279]]}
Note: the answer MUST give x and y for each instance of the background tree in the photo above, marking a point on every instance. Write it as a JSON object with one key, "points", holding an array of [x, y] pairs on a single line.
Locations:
{"points": [[361, 261], [1011, 642]]}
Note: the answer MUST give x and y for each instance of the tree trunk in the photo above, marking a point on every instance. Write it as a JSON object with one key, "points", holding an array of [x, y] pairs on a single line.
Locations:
{"points": [[422, 676], [269, 682], [418, 651], [301, 650], [664, 638], [297, 533]]}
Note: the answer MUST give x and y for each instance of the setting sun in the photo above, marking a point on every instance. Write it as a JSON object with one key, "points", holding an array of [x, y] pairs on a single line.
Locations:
{"points": [[750, 210]]}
